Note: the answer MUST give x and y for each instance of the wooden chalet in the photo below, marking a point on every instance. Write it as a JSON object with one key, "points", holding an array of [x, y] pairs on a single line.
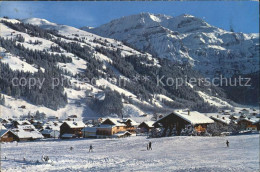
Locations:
{"points": [[109, 127], [72, 127], [131, 125], [7, 135], [179, 119]]}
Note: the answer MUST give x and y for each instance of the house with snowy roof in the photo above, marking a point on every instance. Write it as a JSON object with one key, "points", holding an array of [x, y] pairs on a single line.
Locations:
{"points": [[131, 125], [7, 135], [111, 126], [221, 119], [73, 128], [179, 119], [20, 122], [146, 126], [27, 133], [247, 123]]}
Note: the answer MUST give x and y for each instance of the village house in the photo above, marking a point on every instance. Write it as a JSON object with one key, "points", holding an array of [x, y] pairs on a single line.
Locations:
{"points": [[179, 119], [131, 125], [73, 128], [16, 123], [250, 124], [146, 126], [7, 135], [36, 124], [220, 119], [109, 127], [27, 133]]}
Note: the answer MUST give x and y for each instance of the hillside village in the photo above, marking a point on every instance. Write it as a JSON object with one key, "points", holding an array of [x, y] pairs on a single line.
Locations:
{"points": [[181, 122]]}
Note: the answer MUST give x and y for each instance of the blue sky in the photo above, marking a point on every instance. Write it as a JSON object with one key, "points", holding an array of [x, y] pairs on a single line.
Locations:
{"points": [[243, 16]]}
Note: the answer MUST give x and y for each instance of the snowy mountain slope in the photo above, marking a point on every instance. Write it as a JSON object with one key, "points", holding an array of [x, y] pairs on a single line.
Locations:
{"points": [[185, 38], [78, 54]]}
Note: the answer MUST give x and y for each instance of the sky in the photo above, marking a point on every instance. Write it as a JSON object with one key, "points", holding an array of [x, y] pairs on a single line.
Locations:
{"points": [[242, 15]]}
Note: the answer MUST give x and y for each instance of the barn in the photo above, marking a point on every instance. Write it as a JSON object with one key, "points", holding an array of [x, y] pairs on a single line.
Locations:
{"points": [[179, 119]]}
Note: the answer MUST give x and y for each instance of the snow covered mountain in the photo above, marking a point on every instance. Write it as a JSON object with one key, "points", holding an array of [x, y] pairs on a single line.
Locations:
{"points": [[37, 48], [211, 50]]}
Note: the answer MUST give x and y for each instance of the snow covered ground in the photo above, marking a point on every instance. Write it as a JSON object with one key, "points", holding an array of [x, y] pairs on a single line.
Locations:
{"points": [[130, 154]]}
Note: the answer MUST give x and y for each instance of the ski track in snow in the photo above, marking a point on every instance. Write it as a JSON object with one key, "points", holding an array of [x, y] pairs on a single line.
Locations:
{"points": [[129, 154]]}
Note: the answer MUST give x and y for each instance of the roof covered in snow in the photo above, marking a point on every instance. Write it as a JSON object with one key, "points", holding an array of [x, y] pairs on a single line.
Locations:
{"points": [[26, 127], [121, 133], [134, 123], [219, 117], [22, 134], [252, 120], [23, 122], [149, 123], [193, 117], [54, 125], [115, 121], [75, 124]]}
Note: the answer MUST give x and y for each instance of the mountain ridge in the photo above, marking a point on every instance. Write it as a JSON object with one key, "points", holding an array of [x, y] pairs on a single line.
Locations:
{"points": [[76, 54], [186, 38]]}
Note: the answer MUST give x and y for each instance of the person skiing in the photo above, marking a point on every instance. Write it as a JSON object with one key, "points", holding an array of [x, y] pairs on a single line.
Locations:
{"points": [[71, 148], [227, 142], [90, 148], [150, 146]]}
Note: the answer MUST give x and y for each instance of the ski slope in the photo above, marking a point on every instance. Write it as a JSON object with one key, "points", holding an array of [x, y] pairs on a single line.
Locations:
{"points": [[129, 154]]}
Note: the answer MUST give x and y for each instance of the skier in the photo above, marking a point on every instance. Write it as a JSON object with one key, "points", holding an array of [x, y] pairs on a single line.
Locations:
{"points": [[71, 148], [150, 146], [227, 142], [90, 148]]}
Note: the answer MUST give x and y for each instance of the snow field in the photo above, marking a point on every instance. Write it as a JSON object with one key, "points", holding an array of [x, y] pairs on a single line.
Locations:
{"points": [[130, 154]]}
